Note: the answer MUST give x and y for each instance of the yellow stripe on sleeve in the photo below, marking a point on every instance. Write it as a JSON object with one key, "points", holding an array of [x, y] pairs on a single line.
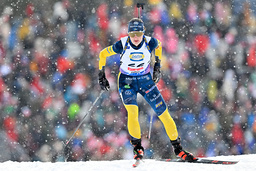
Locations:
{"points": [[158, 51], [108, 51]]}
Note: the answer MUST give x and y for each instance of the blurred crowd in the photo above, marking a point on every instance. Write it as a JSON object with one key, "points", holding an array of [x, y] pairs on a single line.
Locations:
{"points": [[49, 80]]}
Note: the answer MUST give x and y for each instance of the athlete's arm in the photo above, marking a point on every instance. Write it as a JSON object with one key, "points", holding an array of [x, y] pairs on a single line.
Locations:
{"points": [[109, 51], [158, 51], [155, 44]]}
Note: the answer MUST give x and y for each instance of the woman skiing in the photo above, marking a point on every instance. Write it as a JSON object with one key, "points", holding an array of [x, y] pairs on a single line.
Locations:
{"points": [[135, 77]]}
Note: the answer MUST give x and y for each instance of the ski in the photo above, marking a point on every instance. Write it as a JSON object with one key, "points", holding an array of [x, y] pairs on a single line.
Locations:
{"points": [[200, 160], [136, 164]]}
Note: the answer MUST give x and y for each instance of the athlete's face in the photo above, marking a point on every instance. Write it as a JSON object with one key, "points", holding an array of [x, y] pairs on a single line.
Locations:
{"points": [[136, 37]]}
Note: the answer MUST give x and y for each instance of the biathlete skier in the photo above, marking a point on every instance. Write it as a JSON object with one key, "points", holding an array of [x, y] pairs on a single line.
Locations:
{"points": [[135, 77]]}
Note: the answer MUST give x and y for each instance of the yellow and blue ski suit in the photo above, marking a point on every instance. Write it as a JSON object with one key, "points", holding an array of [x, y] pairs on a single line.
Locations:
{"points": [[135, 77]]}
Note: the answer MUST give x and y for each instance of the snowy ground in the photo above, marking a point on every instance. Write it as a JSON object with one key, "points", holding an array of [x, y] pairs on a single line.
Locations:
{"points": [[246, 163]]}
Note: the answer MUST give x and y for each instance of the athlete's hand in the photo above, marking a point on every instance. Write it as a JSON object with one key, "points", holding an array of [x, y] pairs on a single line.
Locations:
{"points": [[104, 84], [156, 73]]}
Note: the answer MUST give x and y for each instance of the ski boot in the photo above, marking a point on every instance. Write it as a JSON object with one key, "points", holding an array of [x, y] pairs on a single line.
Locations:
{"points": [[184, 155], [138, 150]]}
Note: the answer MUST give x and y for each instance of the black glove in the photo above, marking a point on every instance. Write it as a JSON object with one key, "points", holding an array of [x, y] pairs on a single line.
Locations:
{"points": [[156, 73], [104, 85]]}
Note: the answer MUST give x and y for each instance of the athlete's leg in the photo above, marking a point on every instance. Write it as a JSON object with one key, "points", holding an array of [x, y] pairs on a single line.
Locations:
{"points": [[152, 95], [133, 121], [156, 101], [169, 125], [127, 90]]}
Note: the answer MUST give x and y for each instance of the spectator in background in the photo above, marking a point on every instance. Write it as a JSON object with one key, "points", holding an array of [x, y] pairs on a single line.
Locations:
{"points": [[49, 59]]}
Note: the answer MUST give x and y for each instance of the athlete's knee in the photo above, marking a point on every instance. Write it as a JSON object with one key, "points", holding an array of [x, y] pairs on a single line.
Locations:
{"points": [[160, 108], [132, 110], [165, 115]]}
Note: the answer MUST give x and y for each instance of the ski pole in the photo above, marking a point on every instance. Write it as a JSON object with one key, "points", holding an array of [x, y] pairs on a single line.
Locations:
{"points": [[150, 125], [85, 117]]}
